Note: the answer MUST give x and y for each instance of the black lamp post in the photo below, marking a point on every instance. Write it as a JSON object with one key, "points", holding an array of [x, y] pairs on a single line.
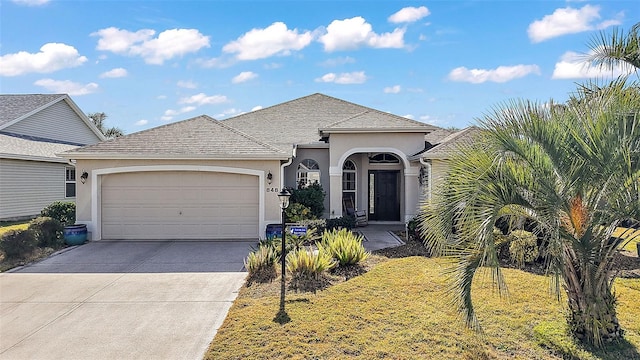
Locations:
{"points": [[283, 195]]}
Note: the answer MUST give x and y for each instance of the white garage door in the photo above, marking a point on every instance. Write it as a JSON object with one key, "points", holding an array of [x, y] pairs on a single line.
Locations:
{"points": [[179, 205]]}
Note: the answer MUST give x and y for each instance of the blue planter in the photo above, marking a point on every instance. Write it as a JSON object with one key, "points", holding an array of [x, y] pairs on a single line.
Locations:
{"points": [[75, 234]]}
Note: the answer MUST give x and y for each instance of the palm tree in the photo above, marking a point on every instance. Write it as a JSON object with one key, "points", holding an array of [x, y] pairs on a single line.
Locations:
{"points": [[571, 170], [618, 47], [98, 119]]}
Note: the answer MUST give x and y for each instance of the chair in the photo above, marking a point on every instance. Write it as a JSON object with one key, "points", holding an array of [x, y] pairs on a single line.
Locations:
{"points": [[359, 215]]}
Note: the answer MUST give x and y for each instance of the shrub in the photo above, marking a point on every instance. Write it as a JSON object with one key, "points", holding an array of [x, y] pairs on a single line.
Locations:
{"points": [[261, 264], [17, 244], [523, 247], [344, 222], [306, 264], [47, 232], [344, 246], [297, 212], [312, 197], [316, 225], [63, 211]]}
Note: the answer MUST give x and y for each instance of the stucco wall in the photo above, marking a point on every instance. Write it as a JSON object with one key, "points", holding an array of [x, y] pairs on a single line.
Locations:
{"points": [[319, 155]]}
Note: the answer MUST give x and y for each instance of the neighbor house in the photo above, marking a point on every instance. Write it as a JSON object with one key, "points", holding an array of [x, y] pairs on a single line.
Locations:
{"points": [[207, 179], [33, 129]]}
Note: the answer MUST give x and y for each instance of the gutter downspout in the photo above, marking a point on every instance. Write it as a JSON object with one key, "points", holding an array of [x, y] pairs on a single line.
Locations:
{"points": [[282, 166]]}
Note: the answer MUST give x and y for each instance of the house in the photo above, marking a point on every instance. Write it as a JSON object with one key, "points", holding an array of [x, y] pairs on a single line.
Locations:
{"points": [[206, 179], [33, 129]]}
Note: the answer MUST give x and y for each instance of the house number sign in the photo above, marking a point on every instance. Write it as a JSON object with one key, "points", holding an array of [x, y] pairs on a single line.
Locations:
{"points": [[273, 189]]}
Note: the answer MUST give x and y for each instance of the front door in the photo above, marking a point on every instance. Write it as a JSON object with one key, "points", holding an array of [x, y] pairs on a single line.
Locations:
{"points": [[384, 197]]}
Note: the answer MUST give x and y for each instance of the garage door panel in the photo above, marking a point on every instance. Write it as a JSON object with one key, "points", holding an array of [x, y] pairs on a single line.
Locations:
{"points": [[179, 205]]}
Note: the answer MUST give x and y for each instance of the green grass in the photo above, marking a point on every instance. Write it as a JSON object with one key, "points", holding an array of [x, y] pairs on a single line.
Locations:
{"points": [[5, 227], [400, 310]]}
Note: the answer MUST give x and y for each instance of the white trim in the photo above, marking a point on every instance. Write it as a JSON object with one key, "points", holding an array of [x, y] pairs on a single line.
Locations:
{"points": [[394, 151], [95, 225]]}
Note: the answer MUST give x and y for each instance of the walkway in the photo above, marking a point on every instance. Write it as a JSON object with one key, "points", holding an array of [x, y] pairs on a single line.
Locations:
{"points": [[380, 236]]}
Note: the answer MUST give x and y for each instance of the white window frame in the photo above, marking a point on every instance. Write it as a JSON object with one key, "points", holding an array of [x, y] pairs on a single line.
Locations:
{"points": [[306, 167], [353, 171], [69, 178]]}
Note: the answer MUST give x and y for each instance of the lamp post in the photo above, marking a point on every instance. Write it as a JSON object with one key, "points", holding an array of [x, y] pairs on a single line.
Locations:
{"points": [[283, 195]]}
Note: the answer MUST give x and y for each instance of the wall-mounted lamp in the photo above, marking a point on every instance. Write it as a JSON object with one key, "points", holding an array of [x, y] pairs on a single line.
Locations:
{"points": [[269, 177], [84, 176]]}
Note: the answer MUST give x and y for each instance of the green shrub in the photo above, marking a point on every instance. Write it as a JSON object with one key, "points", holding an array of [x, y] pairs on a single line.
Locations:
{"points": [[344, 246], [307, 264], [298, 212], [312, 197], [47, 231], [316, 225], [523, 247], [63, 211], [17, 244], [344, 222], [261, 264]]}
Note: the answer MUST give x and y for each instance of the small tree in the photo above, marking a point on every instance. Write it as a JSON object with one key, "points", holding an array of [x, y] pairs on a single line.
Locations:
{"points": [[312, 197], [98, 119]]}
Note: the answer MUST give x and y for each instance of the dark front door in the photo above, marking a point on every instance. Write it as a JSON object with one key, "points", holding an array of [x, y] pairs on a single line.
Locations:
{"points": [[384, 198]]}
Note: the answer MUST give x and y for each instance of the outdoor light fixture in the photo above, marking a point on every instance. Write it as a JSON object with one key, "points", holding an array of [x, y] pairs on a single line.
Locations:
{"points": [[84, 176], [283, 195], [269, 177]]}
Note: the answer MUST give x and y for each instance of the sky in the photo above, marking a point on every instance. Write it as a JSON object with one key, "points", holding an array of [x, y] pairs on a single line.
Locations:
{"points": [[446, 63]]}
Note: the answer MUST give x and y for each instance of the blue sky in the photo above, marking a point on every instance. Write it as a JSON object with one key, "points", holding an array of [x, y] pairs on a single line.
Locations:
{"points": [[149, 63]]}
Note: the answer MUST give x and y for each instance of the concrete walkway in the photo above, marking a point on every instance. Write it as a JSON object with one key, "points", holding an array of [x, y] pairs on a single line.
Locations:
{"points": [[380, 236], [121, 300]]}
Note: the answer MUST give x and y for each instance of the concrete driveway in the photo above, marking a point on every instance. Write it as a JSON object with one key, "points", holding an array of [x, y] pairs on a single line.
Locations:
{"points": [[121, 300]]}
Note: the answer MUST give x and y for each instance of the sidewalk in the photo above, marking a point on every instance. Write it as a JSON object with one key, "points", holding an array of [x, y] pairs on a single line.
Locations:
{"points": [[380, 236]]}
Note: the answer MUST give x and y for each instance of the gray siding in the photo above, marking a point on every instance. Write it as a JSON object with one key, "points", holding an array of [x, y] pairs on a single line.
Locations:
{"points": [[57, 122], [26, 187]]}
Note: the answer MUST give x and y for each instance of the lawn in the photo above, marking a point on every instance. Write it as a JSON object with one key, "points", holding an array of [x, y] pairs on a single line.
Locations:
{"points": [[399, 310]]}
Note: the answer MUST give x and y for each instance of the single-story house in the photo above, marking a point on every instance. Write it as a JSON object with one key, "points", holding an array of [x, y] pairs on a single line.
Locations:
{"points": [[33, 129], [206, 179]]}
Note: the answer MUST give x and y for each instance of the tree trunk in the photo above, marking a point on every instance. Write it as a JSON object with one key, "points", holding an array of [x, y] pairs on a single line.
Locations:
{"points": [[592, 307]]}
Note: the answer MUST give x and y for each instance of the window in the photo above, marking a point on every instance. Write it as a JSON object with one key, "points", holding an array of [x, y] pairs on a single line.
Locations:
{"points": [[349, 186], [308, 173], [70, 182], [384, 159]]}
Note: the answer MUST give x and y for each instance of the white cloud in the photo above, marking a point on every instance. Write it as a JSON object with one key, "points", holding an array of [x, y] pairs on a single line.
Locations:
{"points": [[187, 84], [255, 108], [276, 39], [31, 2], [409, 14], [161, 97], [170, 113], [202, 99], [52, 57], [229, 112], [338, 61], [349, 34], [574, 66], [114, 73], [392, 89], [500, 74], [244, 76], [272, 66], [67, 87], [567, 21], [168, 44], [141, 122], [409, 116], [356, 77]]}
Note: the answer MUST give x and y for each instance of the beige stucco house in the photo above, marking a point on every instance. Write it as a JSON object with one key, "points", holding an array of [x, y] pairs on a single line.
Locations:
{"points": [[33, 129], [208, 179]]}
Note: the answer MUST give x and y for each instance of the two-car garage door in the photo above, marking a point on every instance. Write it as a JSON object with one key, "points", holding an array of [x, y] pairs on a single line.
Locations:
{"points": [[179, 205]]}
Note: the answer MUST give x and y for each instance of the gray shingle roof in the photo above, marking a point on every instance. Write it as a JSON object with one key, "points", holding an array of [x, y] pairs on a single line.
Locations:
{"points": [[378, 120], [451, 143], [21, 147], [298, 121], [13, 107], [199, 137]]}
